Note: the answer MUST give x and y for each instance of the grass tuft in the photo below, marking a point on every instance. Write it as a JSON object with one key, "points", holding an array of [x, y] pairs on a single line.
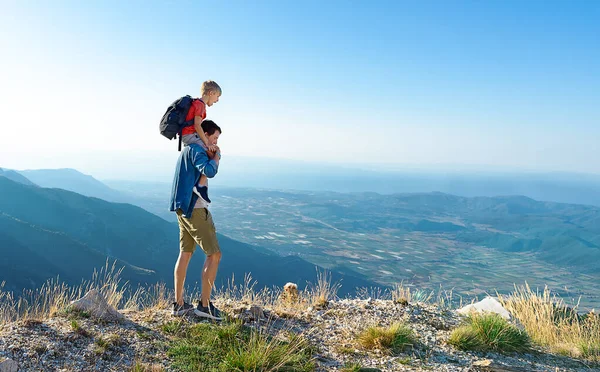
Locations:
{"points": [[395, 338], [234, 347], [489, 332]]}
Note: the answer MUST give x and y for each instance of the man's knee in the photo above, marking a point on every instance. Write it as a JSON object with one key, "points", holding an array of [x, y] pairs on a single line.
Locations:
{"points": [[183, 261], [184, 256], [216, 256]]}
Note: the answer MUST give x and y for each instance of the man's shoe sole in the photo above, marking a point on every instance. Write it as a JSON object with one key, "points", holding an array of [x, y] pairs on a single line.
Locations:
{"points": [[181, 312], [202, 314]]}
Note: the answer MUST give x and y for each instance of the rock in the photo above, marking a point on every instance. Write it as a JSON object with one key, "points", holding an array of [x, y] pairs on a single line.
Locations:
{"points": [[94, 303], [256, 312], [8, 365], [490, 365], [239, 310], [249, 313], [488, 304]]}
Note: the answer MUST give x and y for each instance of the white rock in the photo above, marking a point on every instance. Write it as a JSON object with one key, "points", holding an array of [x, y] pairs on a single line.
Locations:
{"points": [[488, 304], [8, 365], [95, 304]]}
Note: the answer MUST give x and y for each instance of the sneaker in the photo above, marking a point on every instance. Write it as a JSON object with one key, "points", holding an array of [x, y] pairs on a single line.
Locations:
{"points": [[179, 310], [202, 191], [210, 311]]}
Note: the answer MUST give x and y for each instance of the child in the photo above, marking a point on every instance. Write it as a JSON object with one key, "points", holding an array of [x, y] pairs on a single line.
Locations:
{"points": [[210, 93]]}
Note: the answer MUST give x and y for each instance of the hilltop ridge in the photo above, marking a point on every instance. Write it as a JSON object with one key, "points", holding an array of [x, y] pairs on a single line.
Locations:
{"points": [[265, 331]]}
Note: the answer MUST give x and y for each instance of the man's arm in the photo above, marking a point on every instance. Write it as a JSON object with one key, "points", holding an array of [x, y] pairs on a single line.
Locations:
{"points": [[215, 154], [203, 163]]}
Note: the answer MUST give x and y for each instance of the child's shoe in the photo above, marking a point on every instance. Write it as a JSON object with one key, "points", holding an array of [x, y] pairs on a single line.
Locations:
{"points": [[202, 191]]}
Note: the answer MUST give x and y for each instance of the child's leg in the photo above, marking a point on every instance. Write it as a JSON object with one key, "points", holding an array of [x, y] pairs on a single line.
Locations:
{"points": [[188, 139], [201, 189]]}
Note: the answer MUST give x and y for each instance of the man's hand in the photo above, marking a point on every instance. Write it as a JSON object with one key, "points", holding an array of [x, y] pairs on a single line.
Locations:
{"points": [[214, 154]]}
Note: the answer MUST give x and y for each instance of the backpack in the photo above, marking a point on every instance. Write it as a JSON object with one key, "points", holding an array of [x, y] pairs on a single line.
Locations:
{"points": [[173, 121]]}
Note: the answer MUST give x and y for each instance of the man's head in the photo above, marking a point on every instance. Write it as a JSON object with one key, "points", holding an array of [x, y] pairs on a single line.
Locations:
{"points": [[210, 92], [212, 131]]}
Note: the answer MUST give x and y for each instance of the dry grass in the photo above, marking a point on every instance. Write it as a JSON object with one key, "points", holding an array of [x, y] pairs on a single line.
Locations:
{"points": [[553, 325], [151, 298], [245, 292], [144, 367], [401, 294], [54, 296], [405, 294], [33, 305], [316, 295], [319, 294], [374, 293]]}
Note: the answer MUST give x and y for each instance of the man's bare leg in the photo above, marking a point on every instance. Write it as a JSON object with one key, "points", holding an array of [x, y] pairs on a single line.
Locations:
{"points": [[209, 274], [180, 273]]}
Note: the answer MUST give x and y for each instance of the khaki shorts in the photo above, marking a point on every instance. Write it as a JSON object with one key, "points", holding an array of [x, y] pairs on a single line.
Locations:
{"points": [[199, 229]]}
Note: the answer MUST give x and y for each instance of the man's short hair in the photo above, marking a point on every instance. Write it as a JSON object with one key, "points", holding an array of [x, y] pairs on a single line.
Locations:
{"points": [[210, 86], [209, 126]]}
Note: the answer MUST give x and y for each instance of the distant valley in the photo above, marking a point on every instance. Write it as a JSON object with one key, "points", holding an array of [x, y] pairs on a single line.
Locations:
{"points": [[428, 240]]}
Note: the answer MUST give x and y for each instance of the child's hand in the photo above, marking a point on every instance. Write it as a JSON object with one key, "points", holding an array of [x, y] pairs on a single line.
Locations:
{"points": [[213, 148], [214, 154]]}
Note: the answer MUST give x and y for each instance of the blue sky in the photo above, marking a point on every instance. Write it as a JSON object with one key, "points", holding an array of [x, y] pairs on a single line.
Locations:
{"points": [[506, 84]]}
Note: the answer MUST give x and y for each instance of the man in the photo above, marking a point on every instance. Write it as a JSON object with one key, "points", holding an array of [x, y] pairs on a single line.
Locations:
{"points": [[195, 222]]}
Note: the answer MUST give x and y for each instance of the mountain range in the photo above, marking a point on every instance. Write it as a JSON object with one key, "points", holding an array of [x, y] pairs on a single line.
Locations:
{"points": [[475, 244], [47, 232]]}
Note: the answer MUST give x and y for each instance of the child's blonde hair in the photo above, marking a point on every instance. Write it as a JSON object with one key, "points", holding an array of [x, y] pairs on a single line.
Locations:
{"points": [[209, 86]]}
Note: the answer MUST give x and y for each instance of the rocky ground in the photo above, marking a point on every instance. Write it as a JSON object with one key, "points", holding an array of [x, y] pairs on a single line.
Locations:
{"points": [[70, 342]]}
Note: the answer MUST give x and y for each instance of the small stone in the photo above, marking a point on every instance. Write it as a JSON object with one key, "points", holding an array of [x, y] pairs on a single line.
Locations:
{"points": [[8, 365], [492, 366], [256, 312]]}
